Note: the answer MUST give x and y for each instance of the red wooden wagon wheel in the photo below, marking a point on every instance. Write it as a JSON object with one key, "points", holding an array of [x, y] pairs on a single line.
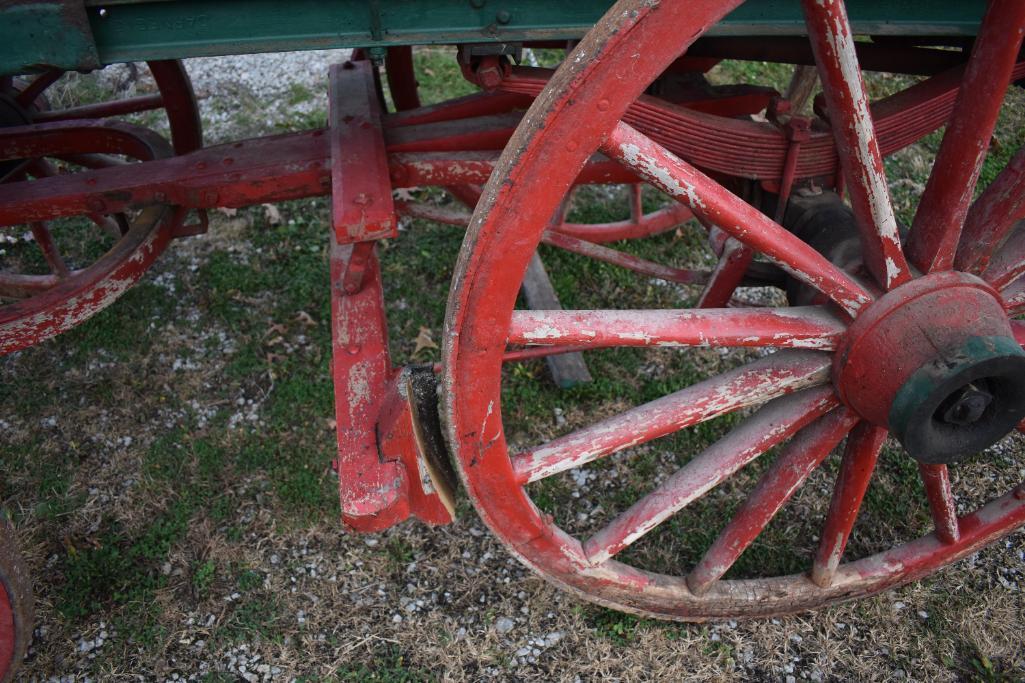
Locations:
{"points": [[37, 141], [15, 605], [917, 342], [25, 101]]}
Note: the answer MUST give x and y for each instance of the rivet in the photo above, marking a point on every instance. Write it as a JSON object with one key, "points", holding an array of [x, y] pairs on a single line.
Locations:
{"points": [[503, 17], [572, 145], [476, 4], [603, 105], [352, 349]]}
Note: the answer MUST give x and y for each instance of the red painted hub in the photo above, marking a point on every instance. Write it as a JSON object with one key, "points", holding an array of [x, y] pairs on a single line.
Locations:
{"points": [[935, 361]]}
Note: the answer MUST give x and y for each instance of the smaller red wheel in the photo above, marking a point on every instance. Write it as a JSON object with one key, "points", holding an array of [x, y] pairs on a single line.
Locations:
{"points": [[111, 251], [16, 611]]}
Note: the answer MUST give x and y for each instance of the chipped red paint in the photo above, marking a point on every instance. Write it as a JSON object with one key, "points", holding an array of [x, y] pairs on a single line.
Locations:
{"points": [[773, 424], [808, 327], [640, 224], [757, 149], [734, 260], [990, 218], [856, 142], [752, 384], [297, 165], [718, 206], [904, 330], [936, 479], [373, 493], [87, 292], [556, 238]]}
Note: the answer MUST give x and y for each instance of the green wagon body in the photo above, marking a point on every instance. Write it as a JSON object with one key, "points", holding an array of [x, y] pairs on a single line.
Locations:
{"points": [[85, 34]]}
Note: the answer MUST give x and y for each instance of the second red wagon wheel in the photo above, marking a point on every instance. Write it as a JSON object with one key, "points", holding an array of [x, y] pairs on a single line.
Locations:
{"points": [[28, 100], [15, 605], [917, 342]]}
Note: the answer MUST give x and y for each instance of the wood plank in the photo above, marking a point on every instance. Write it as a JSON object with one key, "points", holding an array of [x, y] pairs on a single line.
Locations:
{"points": [[568, 369]]}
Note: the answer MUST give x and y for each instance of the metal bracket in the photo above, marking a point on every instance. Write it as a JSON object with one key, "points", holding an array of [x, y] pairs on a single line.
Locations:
{"points": [[391, 458]]}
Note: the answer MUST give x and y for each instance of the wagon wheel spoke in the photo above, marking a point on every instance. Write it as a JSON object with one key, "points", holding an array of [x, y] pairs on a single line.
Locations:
{"points": [[103, 110], [775, 422], [856, 143], [948, 193], [992, 216], [685, 276], [749, 385], [781, 480], [859, 460], [936, 479], [802, 85], [810, 327], [115, 225], [48, 246], [718, 206], [1014, 297], [1008, 264], [636, 203], [38, 85], [728, 274]]}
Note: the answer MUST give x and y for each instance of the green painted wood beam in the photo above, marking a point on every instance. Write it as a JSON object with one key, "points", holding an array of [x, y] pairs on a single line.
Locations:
{"points": [[133, 30]]}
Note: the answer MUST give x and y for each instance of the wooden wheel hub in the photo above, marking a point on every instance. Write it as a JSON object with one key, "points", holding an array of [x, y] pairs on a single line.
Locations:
{"points": [[935, 362]]}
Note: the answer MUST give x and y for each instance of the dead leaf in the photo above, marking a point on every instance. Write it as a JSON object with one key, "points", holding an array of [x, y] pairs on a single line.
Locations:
{"points": [[230, 213], [306, 319], [272, 214], [424, 341], [275, 328]]}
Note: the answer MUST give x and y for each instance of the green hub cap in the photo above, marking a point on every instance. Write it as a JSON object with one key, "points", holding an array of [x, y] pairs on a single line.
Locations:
{"points": [[962, 402]]}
